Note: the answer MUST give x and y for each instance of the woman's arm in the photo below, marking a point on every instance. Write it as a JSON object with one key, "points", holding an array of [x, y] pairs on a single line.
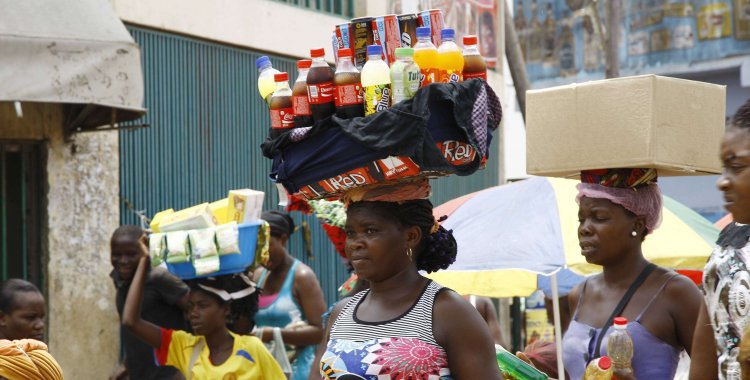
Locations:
{"points": [[310, 298], [490, 316], [703, 360], [322, 345], [686, 300], [471, 353], [131, 316]]}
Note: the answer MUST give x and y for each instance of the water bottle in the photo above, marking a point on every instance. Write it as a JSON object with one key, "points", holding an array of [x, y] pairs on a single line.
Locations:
{"points": [[620, 347], [266, 83]]}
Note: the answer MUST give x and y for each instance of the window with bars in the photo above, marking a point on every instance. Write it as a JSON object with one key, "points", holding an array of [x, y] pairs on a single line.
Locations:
{"points": [[21, 207]]}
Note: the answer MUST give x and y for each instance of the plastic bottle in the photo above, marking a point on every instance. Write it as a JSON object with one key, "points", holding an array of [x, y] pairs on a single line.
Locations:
{"points": [[320, 86], [474, 64], [266, 84], [450, 59], [426, 56], [404, 75], [302, 113], [599, 369], [516, 368], [376, 79], [349, 96], [282, 111], [620, 347]]}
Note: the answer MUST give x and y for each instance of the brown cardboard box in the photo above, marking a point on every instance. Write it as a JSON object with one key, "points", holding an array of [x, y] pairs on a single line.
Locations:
{"points": [[648, 121]]}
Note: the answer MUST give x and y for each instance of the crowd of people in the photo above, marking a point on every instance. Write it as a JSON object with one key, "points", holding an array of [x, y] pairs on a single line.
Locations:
{"points": [[406, 326]]}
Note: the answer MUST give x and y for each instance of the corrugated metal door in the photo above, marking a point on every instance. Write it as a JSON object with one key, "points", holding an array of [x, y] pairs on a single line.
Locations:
{"points": [[207, 123]]}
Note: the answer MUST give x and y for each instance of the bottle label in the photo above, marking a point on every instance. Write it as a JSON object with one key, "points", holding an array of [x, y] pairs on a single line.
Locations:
{"points": [[377, 98], [450, 76], [282, 118], [428, 76], [301, 105], [320, 93], [409, 87], [349, 94], [476, 74]]}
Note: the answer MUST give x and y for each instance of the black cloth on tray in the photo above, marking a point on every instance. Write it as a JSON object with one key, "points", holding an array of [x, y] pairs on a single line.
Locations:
{"points": [[468, 111]]}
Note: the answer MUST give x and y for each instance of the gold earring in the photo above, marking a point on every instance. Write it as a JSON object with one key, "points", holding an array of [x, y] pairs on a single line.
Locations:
{"points": [[409, 254]]}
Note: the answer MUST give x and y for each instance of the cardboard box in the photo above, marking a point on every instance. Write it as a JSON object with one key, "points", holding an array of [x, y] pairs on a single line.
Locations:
{"points": [[245, 205], [220, 209], [192, 218], [674, 125]]}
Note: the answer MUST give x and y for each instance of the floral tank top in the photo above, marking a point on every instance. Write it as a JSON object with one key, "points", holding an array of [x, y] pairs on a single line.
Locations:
{"points": [[401, 348]]}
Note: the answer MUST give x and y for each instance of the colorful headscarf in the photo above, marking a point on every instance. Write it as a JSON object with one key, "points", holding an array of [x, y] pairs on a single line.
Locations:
{"points": [[634, 189], [27, 359], [406, 190]]}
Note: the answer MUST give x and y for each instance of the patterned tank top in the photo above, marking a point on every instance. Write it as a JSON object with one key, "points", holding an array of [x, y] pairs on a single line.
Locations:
{"points": [[401, 348]]}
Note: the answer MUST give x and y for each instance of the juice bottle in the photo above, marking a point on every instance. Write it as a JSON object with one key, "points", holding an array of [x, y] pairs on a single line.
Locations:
{"points": [[349, 96], [376, 80], [282, 111], [599, 369], [620, 347], [450, 59], [404, 75], [266, 84], [302, 113], [474, 64], [426, 56], [320, 86]]}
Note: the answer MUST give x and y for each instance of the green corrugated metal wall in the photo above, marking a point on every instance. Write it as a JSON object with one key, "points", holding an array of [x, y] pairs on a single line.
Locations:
{"points": [[207, 122]]}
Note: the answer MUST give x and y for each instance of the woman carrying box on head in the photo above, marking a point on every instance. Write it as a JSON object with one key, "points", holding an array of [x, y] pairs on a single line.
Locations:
{"points": [[617, 209], [290, 299], [212, 352]]}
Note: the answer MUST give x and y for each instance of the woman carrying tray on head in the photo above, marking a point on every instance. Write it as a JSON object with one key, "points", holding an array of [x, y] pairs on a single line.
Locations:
{"points": [[405, 326], [617, 209], [290, 299], [214, 351]]}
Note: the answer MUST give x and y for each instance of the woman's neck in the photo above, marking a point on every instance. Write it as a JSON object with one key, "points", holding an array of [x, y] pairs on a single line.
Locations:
{"points": [[220, 339], [624, 272], [402, 283]]}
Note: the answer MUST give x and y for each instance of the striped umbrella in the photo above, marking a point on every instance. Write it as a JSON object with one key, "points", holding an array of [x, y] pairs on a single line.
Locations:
{"points": [[508, 235]]}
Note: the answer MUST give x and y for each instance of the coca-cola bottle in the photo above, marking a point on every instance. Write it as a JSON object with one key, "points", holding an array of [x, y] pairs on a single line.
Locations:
{"points": [[282, 112], [300, 102], [349, 96], [320, 86]]}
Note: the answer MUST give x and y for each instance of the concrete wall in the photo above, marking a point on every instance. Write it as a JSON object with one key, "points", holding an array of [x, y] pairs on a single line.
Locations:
{"points": [[82, 211]]}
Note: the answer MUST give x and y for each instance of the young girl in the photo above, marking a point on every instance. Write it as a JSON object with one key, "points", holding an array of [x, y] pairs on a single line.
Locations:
{"points": [[212, 352], [22, 310]]}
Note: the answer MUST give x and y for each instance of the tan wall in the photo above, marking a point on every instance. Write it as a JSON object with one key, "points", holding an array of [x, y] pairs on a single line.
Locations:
{"points": [[82, 211]]}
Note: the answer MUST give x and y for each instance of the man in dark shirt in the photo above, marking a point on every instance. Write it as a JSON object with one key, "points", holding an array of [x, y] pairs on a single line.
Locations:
{"points": [[164, 300]]}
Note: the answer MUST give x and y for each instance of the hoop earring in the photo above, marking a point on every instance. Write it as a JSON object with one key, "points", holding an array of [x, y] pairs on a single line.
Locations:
{"points": [[409, 254]]}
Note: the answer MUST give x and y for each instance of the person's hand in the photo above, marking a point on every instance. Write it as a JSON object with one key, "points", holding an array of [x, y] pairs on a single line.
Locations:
{"points": [[120, 373], [526, 359], [143, 245]]}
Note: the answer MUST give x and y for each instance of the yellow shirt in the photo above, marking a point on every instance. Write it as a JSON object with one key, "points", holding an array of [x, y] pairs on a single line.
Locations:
{"points": [[249, 359]]}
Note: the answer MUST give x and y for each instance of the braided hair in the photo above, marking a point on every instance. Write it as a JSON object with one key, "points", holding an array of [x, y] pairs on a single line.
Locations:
{"points": [[438, 249], [246, 306]]}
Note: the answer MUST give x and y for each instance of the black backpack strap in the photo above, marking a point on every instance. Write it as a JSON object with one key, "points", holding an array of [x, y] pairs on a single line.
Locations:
{"points": [[623, 303]]}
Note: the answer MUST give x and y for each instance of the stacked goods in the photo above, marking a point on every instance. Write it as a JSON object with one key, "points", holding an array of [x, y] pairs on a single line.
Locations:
{"points": [[644, 122], [391, 122], [223, 237]]}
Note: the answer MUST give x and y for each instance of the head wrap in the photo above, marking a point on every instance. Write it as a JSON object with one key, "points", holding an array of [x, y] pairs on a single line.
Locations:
{"points": [[281, 223], [406, 190], [27, 359], [634, 189], [229, 287]]}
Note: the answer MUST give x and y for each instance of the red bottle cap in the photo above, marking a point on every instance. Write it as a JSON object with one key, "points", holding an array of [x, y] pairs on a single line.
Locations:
{"points": [[345, 52], [622, 321], [317, 53], [281, 77], [304, 63], [470, 40], [605, 362]]}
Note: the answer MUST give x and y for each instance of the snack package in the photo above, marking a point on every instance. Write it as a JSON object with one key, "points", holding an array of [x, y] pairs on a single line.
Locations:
{"points": [[178, 250], [220, 210], [245, 205], [157, 248], [228, 238], [202, 243], [196, 217], [206, 265]]}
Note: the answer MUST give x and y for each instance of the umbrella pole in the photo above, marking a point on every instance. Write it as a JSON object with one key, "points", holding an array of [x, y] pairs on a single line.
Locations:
{"points": [[558, 330]]}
